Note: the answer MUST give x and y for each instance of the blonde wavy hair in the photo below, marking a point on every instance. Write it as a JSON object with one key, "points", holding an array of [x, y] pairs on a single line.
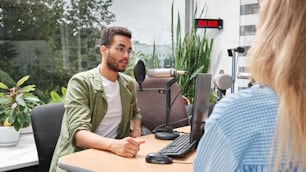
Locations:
{"points": [[278, 59]]}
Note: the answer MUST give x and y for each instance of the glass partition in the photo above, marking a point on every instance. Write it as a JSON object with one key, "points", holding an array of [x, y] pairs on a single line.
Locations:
{"points": [[51, 40]]}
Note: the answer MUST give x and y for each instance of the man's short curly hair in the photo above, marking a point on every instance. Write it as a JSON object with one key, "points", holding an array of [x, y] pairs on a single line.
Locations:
{"points": [[108, 34]]}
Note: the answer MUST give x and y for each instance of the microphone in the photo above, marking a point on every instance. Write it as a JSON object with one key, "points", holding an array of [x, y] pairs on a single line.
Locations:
{"points": [[223, 81], [165, 72], [239, 49]]}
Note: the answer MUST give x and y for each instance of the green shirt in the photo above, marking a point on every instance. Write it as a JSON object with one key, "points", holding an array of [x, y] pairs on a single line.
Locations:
{"points": [[85, 107]]}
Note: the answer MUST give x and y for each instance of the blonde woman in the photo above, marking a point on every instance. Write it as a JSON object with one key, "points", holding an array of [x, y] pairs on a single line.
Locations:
{"points": [[263, 128]]}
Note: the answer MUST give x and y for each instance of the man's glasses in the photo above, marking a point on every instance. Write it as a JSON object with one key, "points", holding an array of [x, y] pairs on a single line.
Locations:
{"points": [[121, 49]]}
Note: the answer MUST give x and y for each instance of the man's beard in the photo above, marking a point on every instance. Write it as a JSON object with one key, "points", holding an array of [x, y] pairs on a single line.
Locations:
{"points": [[112, 64]]}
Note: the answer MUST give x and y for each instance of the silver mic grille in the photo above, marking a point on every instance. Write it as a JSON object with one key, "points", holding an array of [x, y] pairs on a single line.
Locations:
{"points": [[162, 73], [223, 81]]}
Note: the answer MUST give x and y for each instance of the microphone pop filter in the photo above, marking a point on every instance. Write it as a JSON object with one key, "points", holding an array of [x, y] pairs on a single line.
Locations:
{"points": [[139, 71]]}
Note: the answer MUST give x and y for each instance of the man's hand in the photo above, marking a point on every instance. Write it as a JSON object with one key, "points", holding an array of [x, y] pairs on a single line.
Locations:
{"points": [[127, 147]]}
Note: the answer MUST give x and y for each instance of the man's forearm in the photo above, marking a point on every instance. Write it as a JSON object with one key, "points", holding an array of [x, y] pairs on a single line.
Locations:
{"points": [[136, 128], [127, 147], [87, 139]]}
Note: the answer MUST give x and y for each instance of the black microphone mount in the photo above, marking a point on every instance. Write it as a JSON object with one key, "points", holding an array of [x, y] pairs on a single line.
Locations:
{"points": [[166, 132]]}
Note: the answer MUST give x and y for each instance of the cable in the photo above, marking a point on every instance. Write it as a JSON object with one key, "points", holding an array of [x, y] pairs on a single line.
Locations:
{"points": [[174, 122], [181, 132], [171, 104], [185, 84]]}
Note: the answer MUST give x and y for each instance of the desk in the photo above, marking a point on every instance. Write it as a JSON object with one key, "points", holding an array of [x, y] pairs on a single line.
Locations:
{"points": [[98, 160], [24, 154]]}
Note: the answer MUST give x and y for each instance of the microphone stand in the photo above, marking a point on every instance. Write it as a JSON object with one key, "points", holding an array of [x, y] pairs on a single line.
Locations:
{"points": [[234, 54], [234, 68], [167, 133]]}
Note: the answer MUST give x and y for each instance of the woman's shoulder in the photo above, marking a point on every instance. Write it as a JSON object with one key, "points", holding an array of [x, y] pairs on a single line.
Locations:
{"points": [[255, 102], [245, 117], [256, 95]]}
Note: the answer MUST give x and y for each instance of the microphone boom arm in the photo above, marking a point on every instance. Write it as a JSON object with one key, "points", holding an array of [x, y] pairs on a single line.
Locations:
{"points": [[166, 91], [166, 132]]}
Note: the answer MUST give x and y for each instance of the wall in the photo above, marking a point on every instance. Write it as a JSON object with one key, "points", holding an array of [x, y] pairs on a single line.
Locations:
{"points": [[230, 36]]}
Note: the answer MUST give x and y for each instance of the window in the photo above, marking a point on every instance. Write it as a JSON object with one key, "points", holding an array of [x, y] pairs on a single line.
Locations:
{"points": [[52, 40]]}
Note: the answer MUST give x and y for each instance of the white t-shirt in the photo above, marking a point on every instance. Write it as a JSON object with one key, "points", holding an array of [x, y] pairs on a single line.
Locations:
{"points": [[110, 123]]}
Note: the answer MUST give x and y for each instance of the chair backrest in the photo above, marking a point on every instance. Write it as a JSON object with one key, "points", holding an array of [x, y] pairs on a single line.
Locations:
{"points": [[152, 104], [46, 122]]}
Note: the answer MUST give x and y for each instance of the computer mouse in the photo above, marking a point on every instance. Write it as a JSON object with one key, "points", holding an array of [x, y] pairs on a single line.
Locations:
{"points": [[157, 158]]}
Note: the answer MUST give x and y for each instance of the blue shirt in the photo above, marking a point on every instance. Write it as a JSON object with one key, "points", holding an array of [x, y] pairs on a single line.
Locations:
{"points": [[239, 133]]}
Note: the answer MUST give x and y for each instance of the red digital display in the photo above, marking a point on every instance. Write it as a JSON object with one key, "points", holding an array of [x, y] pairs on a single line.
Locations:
{"points": [[209, 23]]}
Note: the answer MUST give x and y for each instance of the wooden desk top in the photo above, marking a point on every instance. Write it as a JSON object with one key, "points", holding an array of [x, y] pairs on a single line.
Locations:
{"points": [[98, 160]]}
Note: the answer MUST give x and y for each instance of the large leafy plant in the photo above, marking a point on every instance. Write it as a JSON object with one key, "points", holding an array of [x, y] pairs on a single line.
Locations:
{"points": [[191, 52], [16, 103]]}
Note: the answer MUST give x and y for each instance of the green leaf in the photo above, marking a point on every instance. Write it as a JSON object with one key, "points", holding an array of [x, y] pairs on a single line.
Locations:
{"points": [[22, 80], [7, 79], [28, 88], [32, 99], [64, 90], [20, 101], [2, 112], [11, 119], [3, 86], [21, 117], [17, 126], [13, 106], [193, 75], [3, 100], [55, 96], [6, 101]]}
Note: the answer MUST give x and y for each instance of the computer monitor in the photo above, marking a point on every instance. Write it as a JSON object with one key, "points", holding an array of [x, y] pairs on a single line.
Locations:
{"points": [[200, 105]]}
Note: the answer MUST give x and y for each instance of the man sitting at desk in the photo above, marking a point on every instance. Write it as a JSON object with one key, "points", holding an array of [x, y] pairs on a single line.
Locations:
{"points": [[100, 104]]}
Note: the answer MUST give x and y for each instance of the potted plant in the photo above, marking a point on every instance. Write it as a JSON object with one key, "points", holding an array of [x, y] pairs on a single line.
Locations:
{"points": [[15, 107], [190, 52]]}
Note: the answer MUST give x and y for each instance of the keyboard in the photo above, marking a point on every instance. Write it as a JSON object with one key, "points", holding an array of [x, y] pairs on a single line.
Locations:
{"points": [[179, 146]]}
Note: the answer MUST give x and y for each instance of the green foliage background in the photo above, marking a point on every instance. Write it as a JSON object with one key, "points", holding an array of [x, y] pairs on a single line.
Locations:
{"points": [[50, 42], [191, 52], [55, 42]]}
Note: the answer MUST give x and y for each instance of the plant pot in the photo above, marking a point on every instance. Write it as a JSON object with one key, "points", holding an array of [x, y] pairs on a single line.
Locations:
{"points": [[8, 136]]}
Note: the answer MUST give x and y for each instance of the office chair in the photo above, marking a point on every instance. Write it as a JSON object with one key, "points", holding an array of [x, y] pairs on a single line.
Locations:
{"points": [[46, 122], [152, 104]]}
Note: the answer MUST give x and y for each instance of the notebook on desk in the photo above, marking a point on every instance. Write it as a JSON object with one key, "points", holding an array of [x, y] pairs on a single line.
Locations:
{"points": [[186, 142]]}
